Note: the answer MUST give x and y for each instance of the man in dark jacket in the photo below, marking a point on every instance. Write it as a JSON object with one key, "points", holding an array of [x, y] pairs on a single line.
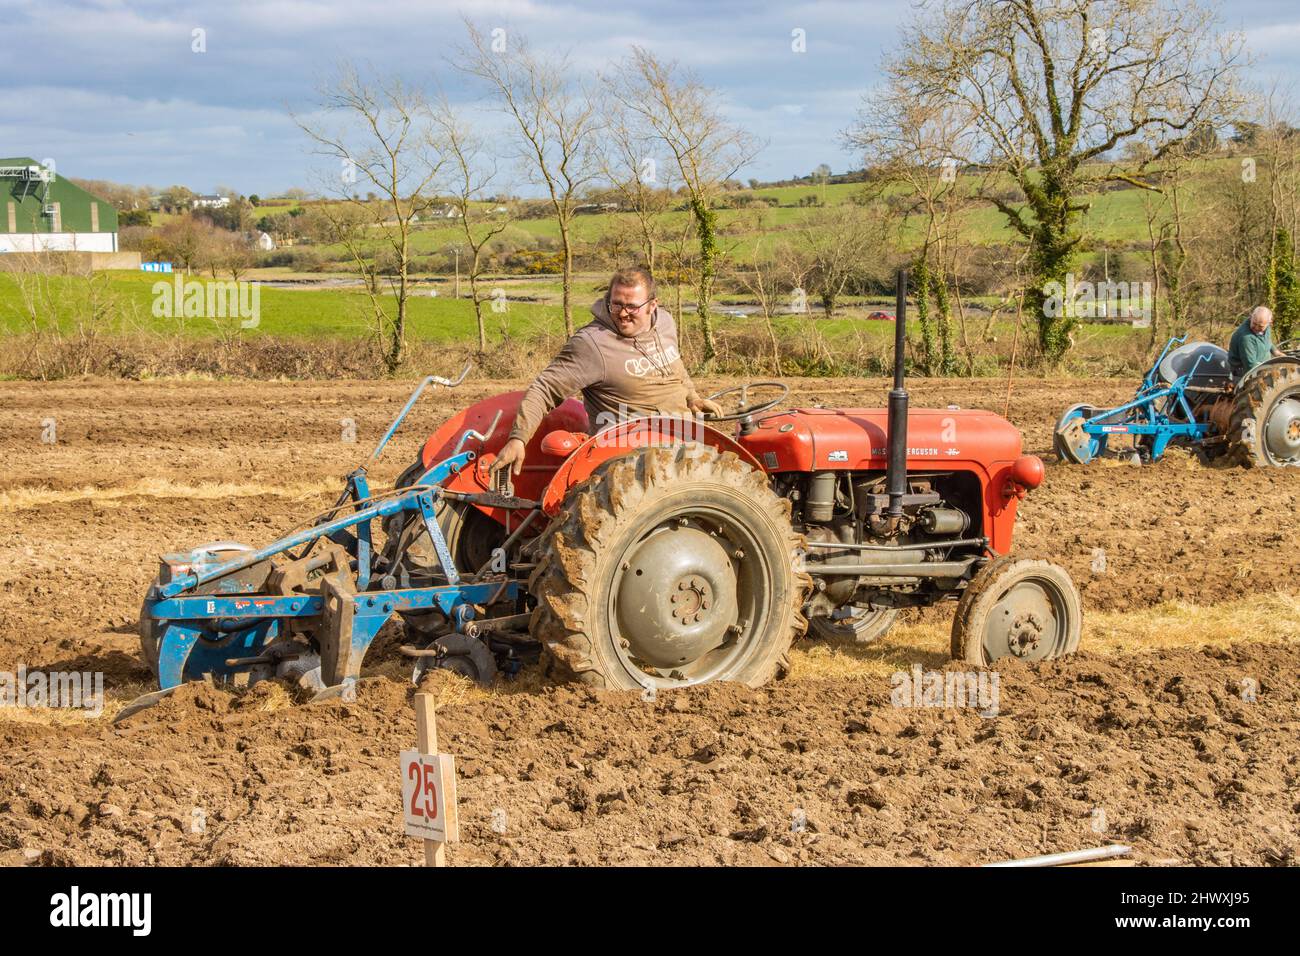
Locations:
{"points": [[626, 363]]}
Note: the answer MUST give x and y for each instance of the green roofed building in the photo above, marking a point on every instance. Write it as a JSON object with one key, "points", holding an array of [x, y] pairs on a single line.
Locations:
{"points": [[43, 212]]}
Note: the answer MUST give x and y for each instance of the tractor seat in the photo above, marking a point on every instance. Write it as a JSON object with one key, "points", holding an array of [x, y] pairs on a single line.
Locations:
{"points": [[1212, 373]]}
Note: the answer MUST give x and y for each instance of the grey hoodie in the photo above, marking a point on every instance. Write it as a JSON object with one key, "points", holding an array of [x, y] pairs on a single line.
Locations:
{"points": [[619, 377]]}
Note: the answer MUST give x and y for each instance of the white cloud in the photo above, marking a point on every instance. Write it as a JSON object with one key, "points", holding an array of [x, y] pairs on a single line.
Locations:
{"points": [[112, 89]]}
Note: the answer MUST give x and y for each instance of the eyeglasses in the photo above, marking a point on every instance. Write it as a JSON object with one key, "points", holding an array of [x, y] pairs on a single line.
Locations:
{"points": [[617, 308]]}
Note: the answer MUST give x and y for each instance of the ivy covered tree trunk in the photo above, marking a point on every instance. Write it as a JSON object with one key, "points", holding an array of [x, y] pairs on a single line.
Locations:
{"points": [[1285, 292], [939, 289], [921, 275], [1052, 258], [1170, 263], [706, 223]]}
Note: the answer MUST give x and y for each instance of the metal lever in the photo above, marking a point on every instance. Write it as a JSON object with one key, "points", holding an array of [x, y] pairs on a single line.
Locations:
{"points": [[477, 436], [429, 380]]}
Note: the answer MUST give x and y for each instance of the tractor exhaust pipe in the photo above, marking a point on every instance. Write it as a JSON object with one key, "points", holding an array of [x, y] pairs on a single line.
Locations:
{"points": [[896, 476]]}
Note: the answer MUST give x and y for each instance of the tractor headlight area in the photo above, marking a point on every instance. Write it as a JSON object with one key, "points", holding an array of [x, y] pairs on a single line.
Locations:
{"points": [[1026, 475]]}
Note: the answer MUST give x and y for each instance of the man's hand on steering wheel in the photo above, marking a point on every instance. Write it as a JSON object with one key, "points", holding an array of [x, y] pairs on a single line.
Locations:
{"points": [[747, 409], [703, 406]]}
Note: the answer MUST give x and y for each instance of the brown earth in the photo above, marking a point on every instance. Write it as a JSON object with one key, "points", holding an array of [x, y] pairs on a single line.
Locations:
{"points": [[1158, 739]]}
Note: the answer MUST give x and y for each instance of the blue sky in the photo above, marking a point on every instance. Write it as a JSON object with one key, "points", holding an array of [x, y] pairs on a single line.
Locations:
{"points": [[112, 90]]}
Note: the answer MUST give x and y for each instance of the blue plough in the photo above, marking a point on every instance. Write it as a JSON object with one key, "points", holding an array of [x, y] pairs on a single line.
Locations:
{"points": [[308, 606], [1171, 406]]}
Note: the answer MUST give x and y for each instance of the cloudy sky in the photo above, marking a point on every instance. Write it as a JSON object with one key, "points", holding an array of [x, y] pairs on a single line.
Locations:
{"points": [[112, 89]]}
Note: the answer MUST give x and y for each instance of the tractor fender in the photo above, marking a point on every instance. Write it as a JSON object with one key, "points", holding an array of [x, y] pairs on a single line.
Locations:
{"points": [[1270, 363], [619, 439]]}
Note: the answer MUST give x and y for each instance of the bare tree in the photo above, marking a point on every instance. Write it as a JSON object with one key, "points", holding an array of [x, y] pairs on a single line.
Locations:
{"points": [[558, 122], [1164, 209], [1230, 263], [227, 251], [472, 173], [1276, 145], [1052, 89], [1278, 141], [384, 144], [707, 150], [678, 254], [915, 144], [841, 246], [188, 240], [643, 184], [763, 280]]}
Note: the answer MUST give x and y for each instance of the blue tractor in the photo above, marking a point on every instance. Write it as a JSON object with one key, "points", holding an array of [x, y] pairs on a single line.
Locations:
{"points": [[1189, 398]]}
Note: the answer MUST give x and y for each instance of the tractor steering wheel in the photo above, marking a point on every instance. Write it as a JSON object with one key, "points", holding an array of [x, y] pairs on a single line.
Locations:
{"points": [[747, 410]]}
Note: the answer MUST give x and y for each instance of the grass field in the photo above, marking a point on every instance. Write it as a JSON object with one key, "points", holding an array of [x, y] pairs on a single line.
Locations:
{"points": [[814, 343], [310, 313]]}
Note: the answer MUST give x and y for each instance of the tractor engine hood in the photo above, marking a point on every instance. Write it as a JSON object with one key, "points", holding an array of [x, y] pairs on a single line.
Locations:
{"points": [[856, 439]]}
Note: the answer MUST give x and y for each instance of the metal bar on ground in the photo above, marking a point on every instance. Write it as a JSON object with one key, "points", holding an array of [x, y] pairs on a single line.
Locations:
{"points": [[1072, 856]]}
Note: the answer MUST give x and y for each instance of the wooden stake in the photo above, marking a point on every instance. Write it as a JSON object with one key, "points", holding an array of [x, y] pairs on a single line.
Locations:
{"points": [[1015, 336], [1015, 340], [426, 733]]}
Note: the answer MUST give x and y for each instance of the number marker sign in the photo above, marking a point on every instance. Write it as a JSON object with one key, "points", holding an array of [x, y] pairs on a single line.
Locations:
{"points": [[429, 796]]}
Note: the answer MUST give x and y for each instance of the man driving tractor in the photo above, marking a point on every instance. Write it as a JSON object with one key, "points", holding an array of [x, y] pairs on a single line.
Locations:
{"points": [[1252, 342], [626, 363]]}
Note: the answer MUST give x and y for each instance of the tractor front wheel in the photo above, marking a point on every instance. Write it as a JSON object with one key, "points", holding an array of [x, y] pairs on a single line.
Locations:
{"points": [[670, 567], [1017, 607]]}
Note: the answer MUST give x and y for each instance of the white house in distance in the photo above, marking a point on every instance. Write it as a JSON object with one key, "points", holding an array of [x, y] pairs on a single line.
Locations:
{"points": [[44, 212], [210, 202]]}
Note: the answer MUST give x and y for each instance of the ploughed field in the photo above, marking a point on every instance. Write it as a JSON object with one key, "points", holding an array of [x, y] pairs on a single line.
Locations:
{"points": [[1176, 731]]}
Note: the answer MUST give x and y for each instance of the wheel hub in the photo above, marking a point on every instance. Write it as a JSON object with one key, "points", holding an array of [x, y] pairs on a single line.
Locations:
{"points": [[1025, 623], [676, 597], [1025, 634], [692, 600], [1282, 433]]}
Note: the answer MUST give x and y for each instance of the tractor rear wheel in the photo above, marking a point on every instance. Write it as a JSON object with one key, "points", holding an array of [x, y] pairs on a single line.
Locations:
{"points": [[1265, 424], [670, 567], [1017, 607]]}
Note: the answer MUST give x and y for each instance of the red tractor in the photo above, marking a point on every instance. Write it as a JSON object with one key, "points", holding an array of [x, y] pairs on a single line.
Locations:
{"points": [[663, 552], [659, 552]]}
